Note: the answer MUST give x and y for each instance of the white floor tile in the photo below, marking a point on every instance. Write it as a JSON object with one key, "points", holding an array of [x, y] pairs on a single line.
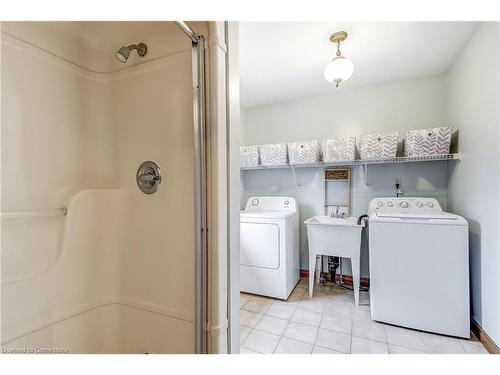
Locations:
{"points": [[332, 309], [314, 304], [283, 310], [362, 313], [393, 349], [364, 298], [243, 300], [336, 323], [342, 298], [298, 292], [261, 342], [365, 346], [258, 305], [441, 344], [369, 330], [306, 317], [272, 325], [244, 331], [473, 347], [340, 309], [333, 340], [288, 346], [320, 350], [301, 332], [406, 338], [248, 318]]}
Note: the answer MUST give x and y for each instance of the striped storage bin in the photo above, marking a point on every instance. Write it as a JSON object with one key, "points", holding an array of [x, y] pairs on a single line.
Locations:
{"points": [[249, 156], [423, 142], [339, 149], [273, 154], [378, 146], [304, 152]]}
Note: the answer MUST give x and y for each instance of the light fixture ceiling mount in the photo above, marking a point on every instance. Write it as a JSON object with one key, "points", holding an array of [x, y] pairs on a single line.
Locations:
{"points": [[338, 37], [340, 69]]}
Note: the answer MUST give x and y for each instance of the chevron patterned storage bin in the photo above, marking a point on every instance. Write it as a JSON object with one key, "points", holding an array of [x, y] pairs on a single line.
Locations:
{"points": [[273, 154], [249, 156], [378, 146], [339, 149], [303, 152], [423, 142]]}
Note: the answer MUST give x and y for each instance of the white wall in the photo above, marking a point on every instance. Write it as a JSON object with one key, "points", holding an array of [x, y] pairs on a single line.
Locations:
{"points": [[403, 105], [473, 106], [396, 106]]}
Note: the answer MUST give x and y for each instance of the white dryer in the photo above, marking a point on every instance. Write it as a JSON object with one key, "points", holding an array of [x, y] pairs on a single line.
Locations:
{"points": [[269, 246], [419, 266]]}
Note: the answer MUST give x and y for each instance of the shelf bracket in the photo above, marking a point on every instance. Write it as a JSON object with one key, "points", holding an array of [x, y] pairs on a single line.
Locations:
{"points": [[363, 171]]}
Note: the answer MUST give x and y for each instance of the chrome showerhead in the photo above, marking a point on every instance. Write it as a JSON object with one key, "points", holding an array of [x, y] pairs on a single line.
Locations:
{"points": [[124, 52]]}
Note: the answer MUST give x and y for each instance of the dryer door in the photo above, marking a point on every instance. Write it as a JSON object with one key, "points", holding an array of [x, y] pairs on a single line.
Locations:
{"points": [[260, 245]]}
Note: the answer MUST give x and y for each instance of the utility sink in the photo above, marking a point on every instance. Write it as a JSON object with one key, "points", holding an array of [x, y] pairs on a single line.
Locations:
{"points": [[326, 220], [340, 237]]}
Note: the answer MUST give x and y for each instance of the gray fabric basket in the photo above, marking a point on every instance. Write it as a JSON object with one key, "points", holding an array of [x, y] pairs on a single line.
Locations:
{"points": [[249, 156], [339, 149], [378, 146], [304, 152], [424, 142], [273, 154]]}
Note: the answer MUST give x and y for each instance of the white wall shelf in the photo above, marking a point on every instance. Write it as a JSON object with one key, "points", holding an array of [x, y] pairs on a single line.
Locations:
{"points": [[396, 160]]}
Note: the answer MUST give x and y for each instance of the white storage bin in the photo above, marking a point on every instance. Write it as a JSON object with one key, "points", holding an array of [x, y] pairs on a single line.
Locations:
{"points": [[304, 152], [273, 154], [249, 156], [423, 142], [339, 149], [378, 146]]}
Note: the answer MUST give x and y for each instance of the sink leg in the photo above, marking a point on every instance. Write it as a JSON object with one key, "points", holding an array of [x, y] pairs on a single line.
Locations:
{"points": [[312, 268], [355, 279]]}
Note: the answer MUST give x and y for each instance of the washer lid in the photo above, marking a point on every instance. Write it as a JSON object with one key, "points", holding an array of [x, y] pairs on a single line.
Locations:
{"points": [[413, 215], [444, 218]]}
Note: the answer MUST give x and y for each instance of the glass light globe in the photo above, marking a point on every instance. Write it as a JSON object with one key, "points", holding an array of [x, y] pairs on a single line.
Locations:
{"points": [[338, 70]]}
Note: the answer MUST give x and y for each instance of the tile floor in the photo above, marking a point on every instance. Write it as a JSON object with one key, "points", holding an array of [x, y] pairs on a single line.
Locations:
{"points": [[329, 323]]}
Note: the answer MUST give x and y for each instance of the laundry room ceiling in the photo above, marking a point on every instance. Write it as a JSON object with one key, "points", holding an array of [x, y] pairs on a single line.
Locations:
{"points": [[281, 61]]}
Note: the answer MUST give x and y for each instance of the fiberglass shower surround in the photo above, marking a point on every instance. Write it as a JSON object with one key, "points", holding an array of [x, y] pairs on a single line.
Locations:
{"points": [[104, 278]]}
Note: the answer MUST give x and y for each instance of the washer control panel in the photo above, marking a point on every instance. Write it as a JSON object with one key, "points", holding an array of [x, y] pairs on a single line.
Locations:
{"points": [[405, 204], [288, 204]]}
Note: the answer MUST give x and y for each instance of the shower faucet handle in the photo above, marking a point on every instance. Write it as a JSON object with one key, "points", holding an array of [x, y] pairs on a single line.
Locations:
{"points": [[148, 177]]}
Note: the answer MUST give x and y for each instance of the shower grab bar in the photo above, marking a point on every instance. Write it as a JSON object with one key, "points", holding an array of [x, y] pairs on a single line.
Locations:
{"points": [[62, 211]]}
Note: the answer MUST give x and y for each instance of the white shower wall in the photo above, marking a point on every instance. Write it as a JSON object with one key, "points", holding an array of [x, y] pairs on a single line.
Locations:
{"points": [[116, 274]]}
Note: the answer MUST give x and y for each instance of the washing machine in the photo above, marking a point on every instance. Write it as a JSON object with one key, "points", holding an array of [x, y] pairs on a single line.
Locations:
{"points": [[269, 246], [419, 266]]}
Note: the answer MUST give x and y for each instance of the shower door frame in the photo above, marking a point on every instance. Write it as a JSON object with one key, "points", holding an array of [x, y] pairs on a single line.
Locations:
{"points": [[200, 191]]}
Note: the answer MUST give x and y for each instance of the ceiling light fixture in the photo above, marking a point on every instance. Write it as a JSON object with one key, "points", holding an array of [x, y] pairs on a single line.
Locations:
{"points": [[340, 69]]}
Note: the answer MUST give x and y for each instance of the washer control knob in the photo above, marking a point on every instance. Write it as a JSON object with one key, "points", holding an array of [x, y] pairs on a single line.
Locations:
{"points": [[255, 202], [389, 204], [380, 204], [420, 204], [287, 203], [403, 204], [430, 204]]}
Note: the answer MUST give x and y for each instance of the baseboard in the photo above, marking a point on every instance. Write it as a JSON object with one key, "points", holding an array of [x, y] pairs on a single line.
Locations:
{"points": [[347, 279], [483, 337]]}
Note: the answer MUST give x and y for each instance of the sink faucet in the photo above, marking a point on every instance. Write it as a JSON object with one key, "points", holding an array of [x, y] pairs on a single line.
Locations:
{"points": [[336, 214]]}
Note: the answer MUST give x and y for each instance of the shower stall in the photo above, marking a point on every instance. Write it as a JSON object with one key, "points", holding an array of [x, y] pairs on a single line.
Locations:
{"points": [[97, 254]]}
